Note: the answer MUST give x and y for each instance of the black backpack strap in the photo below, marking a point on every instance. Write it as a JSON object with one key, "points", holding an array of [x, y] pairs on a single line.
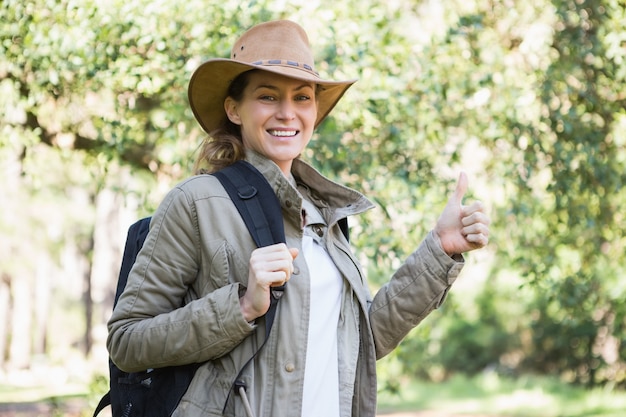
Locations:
{"points": [[256, 202], [104, 401], [135, 237], [137, 233], [260, 209]]}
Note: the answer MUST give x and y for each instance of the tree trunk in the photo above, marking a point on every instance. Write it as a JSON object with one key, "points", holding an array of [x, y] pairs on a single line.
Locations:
{"points": [[5, 315], [43, 293], [21, 323], [108, 244]]}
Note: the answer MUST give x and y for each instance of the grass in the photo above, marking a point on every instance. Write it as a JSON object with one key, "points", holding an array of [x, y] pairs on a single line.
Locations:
{"points": [[486, 395], [27, 394], [45, 397], [492, 395]]}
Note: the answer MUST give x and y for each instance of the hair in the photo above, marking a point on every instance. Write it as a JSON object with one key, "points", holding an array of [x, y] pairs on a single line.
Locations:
{"points": [[224, 145]]}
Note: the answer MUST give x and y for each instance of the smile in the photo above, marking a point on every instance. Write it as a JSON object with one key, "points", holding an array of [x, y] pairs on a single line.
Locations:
{"points": [[283, 133]]}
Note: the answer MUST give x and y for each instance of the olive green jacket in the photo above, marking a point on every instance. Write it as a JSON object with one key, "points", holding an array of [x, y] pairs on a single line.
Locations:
{"points": [[181, 303]]}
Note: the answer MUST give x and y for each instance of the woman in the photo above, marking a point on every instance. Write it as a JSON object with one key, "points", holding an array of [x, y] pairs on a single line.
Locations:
{"points": [[262, 105]]}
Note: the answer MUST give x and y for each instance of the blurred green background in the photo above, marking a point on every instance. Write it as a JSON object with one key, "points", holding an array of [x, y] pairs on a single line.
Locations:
{"points": [[529, 98]]}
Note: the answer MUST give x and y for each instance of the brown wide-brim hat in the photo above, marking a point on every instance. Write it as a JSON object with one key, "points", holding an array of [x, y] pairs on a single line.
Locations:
{"points": [[280, 47]]}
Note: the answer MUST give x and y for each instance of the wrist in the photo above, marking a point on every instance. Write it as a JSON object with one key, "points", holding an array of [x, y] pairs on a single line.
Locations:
{"points": [[447, 250], [246, 312]]}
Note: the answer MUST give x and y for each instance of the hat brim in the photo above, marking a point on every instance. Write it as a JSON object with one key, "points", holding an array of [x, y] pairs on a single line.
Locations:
{"points": [[209, 84]]}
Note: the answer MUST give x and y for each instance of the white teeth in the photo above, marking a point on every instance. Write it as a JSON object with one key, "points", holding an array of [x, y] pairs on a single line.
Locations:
{"points": [[283, 133]]}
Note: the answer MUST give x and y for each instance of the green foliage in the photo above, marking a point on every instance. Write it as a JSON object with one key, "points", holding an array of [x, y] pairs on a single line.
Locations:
{"points": [[467, 338], [574, 263], [527, 97]]}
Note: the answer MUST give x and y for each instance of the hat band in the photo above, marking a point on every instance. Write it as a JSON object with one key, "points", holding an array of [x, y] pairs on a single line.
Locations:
{"points": [[286, 62]]}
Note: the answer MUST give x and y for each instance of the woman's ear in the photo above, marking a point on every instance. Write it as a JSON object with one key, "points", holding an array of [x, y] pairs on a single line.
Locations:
{"points": [[230, 106]]}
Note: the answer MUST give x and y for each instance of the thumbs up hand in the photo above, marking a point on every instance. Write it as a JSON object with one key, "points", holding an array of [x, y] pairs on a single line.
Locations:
{"points": [[462, 228]]}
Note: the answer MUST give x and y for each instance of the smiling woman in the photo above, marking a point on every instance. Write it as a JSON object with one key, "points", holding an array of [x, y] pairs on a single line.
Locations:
{"points": [[262, 106], [277, 115]]}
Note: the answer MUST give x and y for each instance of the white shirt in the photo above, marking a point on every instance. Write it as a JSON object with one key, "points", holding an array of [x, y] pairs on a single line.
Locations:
{"points": [[321, 375]]}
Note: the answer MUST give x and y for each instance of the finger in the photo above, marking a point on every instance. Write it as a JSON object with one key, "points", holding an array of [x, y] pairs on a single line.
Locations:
{"points": [[277, 265], [294, 252], [272, 253], [281, 265], [271, 264], [273, 278], [476, 217], [277, 248], [476, 229], [476, 206], [461, 188], [280, 281], [477, 239]]}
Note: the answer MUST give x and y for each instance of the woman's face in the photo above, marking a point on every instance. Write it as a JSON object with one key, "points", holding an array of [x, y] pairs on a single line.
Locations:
{"points": [[277, 116]]}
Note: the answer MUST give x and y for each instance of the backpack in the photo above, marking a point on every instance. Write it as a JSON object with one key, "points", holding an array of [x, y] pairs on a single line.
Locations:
{"points": [[157, 392]]}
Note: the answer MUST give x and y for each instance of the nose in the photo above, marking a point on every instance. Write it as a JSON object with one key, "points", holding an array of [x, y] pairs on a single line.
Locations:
{"points": [[286, 110]]}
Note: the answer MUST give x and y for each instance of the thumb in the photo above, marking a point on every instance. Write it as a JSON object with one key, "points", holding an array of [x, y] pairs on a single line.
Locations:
{"points": [[294, 252], [461, 188]]}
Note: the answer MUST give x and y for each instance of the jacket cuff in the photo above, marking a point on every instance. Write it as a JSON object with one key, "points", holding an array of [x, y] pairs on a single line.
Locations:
{"points": [[452, 265], [232, 318]]}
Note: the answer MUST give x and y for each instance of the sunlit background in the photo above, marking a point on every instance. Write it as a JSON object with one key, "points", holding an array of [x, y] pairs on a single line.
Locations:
{"points": [[528, 98]]}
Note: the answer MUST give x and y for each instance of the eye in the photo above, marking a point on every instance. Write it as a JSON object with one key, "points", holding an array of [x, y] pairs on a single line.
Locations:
{"points": [[303, 97], [267, 97]]}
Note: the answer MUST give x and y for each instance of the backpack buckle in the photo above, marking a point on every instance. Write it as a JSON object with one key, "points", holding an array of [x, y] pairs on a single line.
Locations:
{"points": [[246, 192]]}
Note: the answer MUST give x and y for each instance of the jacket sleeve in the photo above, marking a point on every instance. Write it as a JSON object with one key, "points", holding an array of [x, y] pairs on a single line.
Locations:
{"points": [[416, 289], [150, 327]]}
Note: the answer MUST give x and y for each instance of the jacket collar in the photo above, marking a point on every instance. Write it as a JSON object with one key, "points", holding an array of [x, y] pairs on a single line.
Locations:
{"points": [[341, 200]]}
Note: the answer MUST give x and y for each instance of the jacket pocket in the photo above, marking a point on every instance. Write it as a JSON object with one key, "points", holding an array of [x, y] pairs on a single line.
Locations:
{"points": [[223, 264], [206, 394]]}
